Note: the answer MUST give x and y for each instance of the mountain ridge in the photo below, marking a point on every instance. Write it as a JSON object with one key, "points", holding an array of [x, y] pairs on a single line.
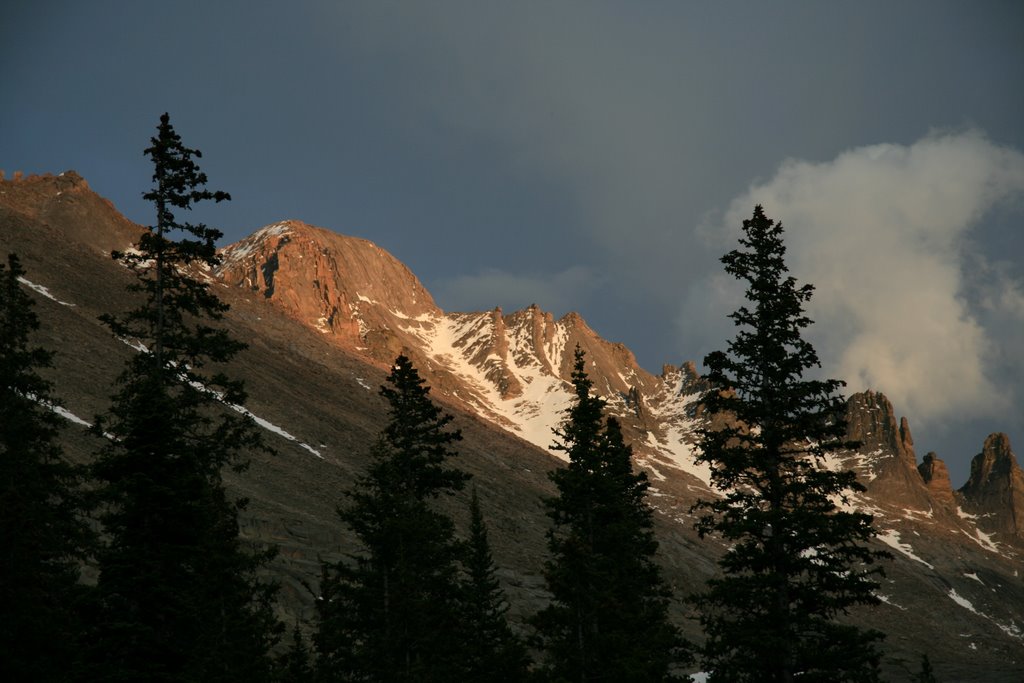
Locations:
{"points": [[953, 588], [409, 321]]}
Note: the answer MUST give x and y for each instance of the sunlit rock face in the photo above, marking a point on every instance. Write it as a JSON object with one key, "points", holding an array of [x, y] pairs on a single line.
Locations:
{"points": [[513, 369], [339, 285], [995, 489], [936, 478], [886, 450]]}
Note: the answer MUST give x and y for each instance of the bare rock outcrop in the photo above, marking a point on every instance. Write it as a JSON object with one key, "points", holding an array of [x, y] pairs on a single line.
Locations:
{"points": [[871, 420], [995, 489], [342, 286], [936, 478], [887, 450]]}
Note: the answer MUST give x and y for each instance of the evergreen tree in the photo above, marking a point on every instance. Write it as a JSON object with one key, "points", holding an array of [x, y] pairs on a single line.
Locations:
{"points": [[796, 562], [493, 653], [608, 619], [927, 674], [43, 535], [294, 666], [179, 596], [392, 613]]}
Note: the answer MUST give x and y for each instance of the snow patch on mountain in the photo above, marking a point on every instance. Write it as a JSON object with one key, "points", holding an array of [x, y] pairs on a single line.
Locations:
{"points": [[465, 346], [672, 407], [891, 538], [238, 251], [451, 341], [984, 540], [676, 451], [887, 600], [42, 290], [264, 423], [1010, 629], [67, 414], [269, 426]]}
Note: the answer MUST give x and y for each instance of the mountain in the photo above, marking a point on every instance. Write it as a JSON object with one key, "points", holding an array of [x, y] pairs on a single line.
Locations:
{"points": [[324, 316], [511, 369], [995, 490]]}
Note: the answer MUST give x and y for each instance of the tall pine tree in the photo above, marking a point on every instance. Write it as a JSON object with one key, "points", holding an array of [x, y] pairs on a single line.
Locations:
{"points": [[179, 596], [608, 619], [392, 613], [295, 665], [492, 651], [43, 534], [796, 561]]}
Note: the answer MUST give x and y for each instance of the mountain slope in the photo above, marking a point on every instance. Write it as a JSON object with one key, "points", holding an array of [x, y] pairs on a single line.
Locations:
{"points": [[324, 315], [512, 369]]}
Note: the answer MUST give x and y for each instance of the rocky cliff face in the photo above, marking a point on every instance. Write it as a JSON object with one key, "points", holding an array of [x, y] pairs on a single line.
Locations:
{"points": [[936, 478], [994, 494], [341, 286], [995, 490], [885, 458]]}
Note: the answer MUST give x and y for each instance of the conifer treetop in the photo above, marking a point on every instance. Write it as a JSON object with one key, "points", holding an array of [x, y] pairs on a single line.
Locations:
{"points": [[608, 618], [796, 559], [171, 323], [179, 594], [418, 433], [178, 183]]}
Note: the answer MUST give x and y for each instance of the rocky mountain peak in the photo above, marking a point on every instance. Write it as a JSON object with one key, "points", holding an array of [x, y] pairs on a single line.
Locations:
{"points": [[66, 203], [871, 420], [995, 489], [936, 478], [887, 461], [995, 462], [339, 285]]}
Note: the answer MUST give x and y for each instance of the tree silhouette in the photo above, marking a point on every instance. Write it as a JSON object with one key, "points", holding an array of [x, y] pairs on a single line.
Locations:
{"points": [[393, 612], [493, 653], [179, 595], [608, 619], [796, 561], [42, 529]]}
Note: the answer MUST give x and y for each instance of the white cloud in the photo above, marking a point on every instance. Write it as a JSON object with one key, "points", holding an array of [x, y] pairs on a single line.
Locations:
{"points": [[885, 233]]}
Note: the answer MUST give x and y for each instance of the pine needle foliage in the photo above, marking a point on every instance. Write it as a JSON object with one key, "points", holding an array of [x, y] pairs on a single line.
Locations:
{"points": [[608, 617], [492, 651], [43, 533], [796, 560], [392, 612], [180, 600], [296, 664]]}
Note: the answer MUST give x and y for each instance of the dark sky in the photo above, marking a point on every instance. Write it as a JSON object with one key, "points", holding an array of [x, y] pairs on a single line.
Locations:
{"points": [[596, 157]]}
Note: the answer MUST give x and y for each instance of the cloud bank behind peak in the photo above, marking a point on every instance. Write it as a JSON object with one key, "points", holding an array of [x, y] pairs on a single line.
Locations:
{"points": [[906, 301]]}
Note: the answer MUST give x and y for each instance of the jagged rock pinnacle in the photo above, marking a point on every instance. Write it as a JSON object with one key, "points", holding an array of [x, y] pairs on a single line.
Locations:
{"points": [[936, 478], [871, 421], [995, 489]]}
